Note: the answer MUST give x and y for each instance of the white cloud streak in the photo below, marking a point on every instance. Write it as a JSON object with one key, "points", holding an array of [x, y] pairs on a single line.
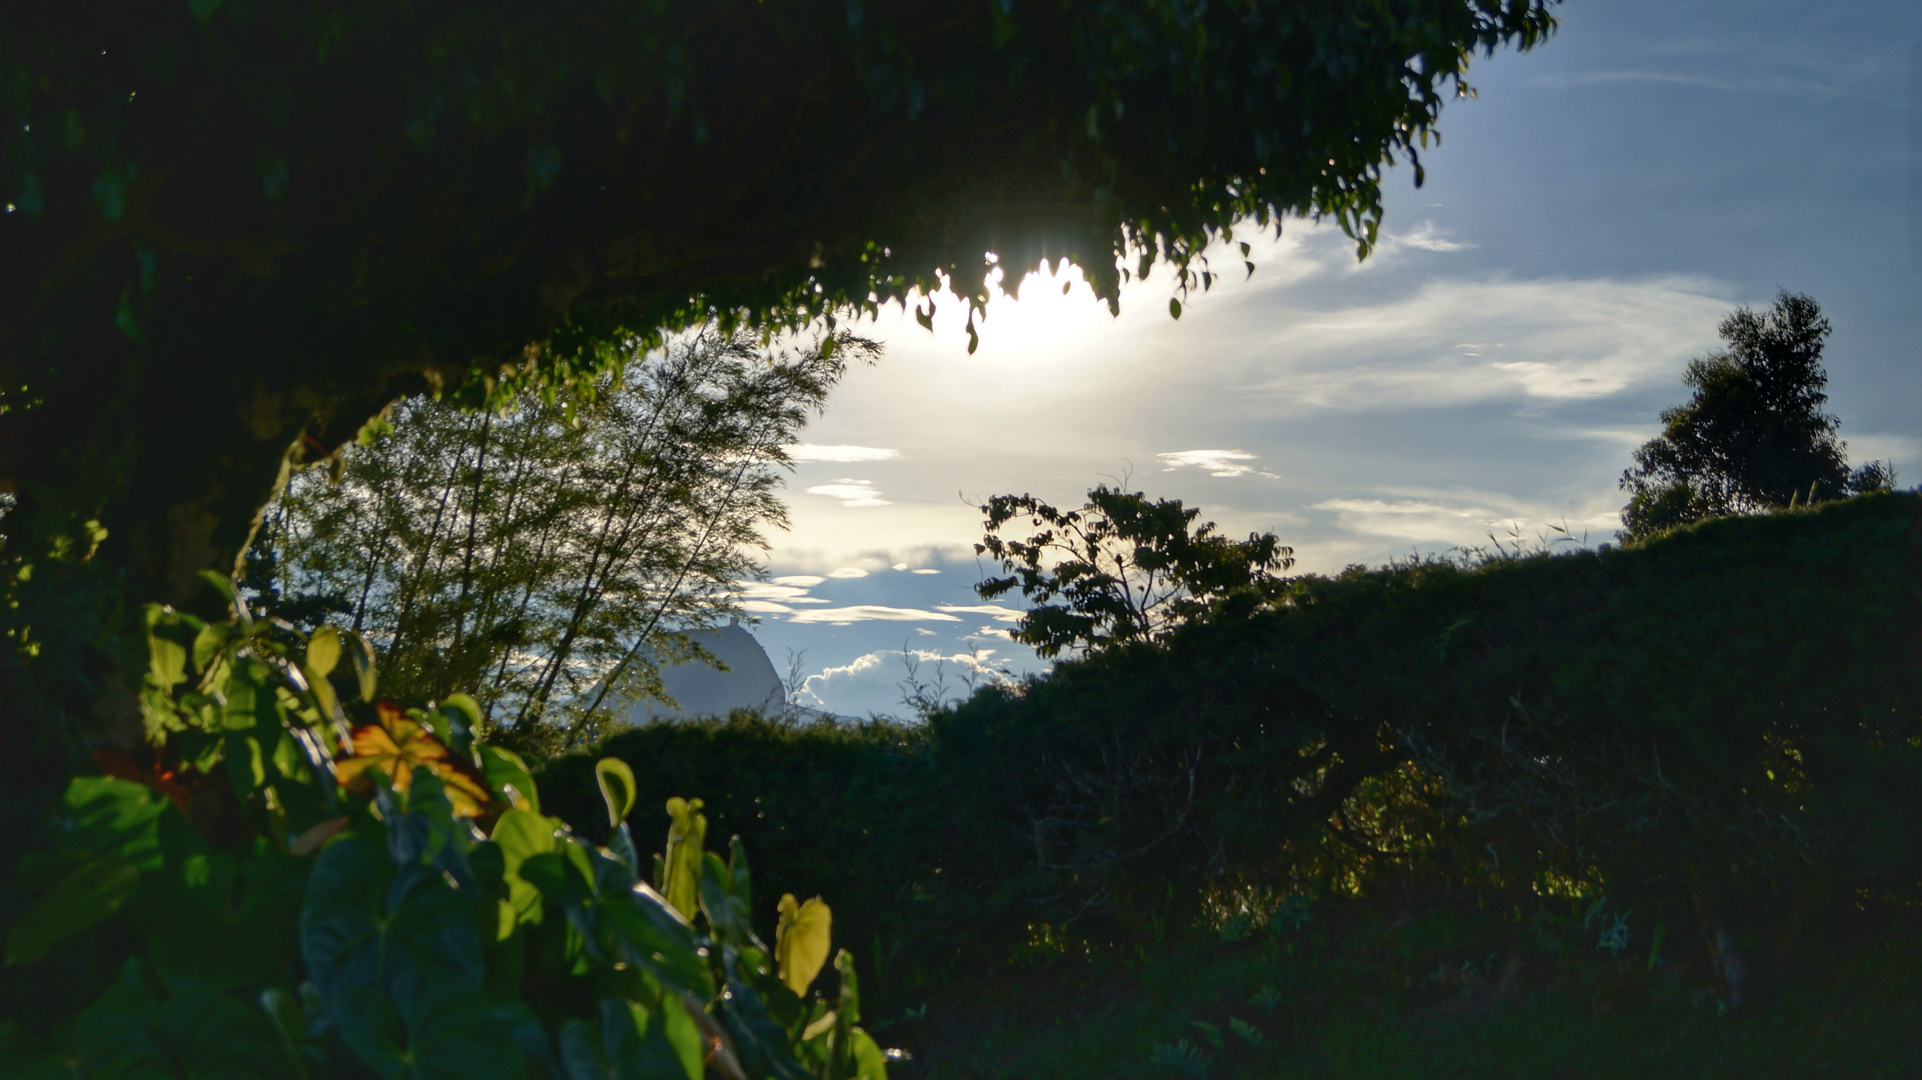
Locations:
{"points": [[839, 452], [1001, 614], [844, 616], [1225, 463], [1557, 340], [852, 493]]}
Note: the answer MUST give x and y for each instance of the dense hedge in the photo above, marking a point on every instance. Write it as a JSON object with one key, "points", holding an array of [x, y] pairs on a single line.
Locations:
{"points": [[1725, 722]]}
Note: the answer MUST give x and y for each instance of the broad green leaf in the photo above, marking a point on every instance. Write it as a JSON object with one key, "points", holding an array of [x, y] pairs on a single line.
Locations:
{"points": [[468, 712], [215, 1037], [82, 898], [323, 651], [650, 936], [508, 776], [801, 942], [166, 657], [98, 817], [366, 923], [209, 642], [427, 1028], [522, 834], [630, 1042], [617, 788]]}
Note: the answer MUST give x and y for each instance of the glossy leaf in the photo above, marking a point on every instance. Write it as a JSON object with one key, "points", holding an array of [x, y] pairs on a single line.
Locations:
{"points": [[507, 774], [522, 834]]}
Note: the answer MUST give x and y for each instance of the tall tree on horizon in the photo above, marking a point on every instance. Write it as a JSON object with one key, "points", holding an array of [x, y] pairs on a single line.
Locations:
{"points": [[543, 557], [1753, 435]]}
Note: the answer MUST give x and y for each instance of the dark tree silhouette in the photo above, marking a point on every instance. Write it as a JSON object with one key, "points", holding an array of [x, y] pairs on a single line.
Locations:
{"points": [[1123, 569], [1753, 436]]}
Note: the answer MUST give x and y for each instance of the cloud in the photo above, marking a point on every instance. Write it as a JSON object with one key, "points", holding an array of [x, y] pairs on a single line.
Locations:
{"points": [[1471, 522], [925, 571], [1542, 339], [841, 452], [852, 493], [872, 683], [1213, 462], [799, 581], [847, 573], [1427, 237], [772, 592], [766, 607], [1000, 613], [843, 616]]}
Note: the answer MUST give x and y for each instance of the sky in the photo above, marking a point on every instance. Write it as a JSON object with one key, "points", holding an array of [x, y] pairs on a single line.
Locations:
{"points": [[1587, 221]]}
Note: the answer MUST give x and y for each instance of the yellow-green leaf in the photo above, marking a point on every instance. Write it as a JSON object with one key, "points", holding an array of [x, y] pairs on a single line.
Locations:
{"points": [[681, 863], [323, 691], [870, 1063], [617, 787], [323, 651], [801, 941]]}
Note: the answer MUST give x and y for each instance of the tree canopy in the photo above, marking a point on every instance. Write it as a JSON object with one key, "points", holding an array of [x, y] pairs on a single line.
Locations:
{"points": [[531, 558], [233, 228], [1753, 435], [1120, 569]]}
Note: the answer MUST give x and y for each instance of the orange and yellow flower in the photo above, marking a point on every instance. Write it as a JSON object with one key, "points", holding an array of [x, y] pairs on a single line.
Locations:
{"points": [[397, 746]]}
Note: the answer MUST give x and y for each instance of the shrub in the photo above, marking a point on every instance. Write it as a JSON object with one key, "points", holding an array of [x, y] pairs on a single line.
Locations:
{"points": [[1721, 726], [281, 893]]}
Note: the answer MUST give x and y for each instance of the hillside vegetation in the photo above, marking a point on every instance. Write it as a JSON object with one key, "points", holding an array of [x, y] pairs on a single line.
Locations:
{"points": [[1611, 795]]}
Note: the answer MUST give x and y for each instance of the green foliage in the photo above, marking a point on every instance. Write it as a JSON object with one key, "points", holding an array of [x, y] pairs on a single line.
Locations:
{"points": [[285, 894], [1753, 436], [232, 232], [526, 553], [1124, 569]]}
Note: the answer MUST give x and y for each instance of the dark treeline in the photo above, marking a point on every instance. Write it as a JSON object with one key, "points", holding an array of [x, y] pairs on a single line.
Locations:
{"points": [[1716, 729]]}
